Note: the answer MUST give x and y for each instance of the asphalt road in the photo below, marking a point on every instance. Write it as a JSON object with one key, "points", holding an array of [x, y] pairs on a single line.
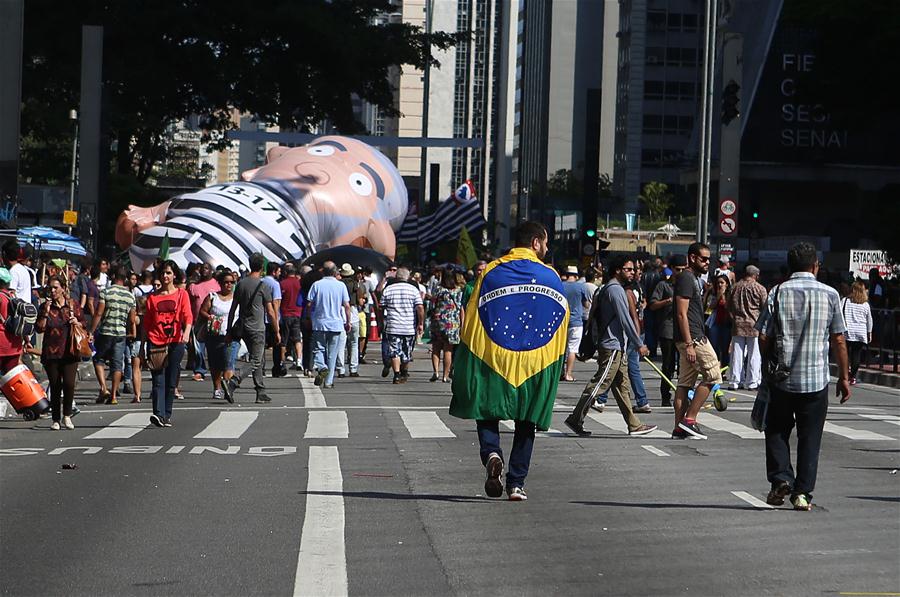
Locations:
{"points": [[373, 489]]}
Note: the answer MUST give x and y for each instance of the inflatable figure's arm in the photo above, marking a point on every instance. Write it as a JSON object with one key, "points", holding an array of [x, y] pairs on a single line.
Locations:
{"points": [[135, 220]]}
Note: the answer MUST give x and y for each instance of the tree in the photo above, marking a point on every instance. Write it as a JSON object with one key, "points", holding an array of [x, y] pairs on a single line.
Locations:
{"points": [[290, 63], [658, 200]]}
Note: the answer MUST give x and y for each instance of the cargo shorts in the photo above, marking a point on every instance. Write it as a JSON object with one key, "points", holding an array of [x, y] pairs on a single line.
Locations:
{"points": [[706, 367]]}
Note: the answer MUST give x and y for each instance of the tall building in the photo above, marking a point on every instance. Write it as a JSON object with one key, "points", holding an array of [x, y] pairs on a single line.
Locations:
{"points": [[658, 96]]}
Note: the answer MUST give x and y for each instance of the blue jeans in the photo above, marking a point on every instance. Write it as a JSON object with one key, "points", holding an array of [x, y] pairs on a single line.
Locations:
{"points": [[165, 381], [199, 357], [720, 338], [634, 377], [325, 352], [519, 457], [126, 368]]}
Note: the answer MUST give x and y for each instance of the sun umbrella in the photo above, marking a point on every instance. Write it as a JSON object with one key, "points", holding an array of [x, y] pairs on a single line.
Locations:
{"points": [[44, 238]]}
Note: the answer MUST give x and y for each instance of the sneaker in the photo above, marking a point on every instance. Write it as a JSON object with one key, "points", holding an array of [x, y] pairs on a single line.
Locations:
{"points": [[341, 376], [852, 381], [643, 430], [516, 494], [154, 420], [263, 397], [75, 410], [802, 502], [645, 409], [598, 406], [494, 467], [329, 386], [677, 433], [228, 391], [178, 394], [397, 378], [753, 386], [733, 386], [719, 400], [167, 422], [576, 427], [320, 377], [198, 377], [385, 370], [404, 378], [111, 400], [54, 426], [67, 423], [354, 374], [218, 395], [692, 429], [779, 491], [434, 377]]}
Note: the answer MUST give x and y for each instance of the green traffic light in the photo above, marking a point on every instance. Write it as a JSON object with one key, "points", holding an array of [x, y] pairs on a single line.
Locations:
{"points": [[756, 215], [591, 233]]}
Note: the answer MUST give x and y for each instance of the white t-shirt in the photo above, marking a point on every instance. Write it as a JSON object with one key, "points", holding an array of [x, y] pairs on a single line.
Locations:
{"points": [[21, 282]]}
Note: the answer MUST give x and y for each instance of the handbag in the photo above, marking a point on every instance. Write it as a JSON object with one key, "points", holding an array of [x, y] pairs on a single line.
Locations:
{"points": [[773, 370], [157, 357], [79, 341], [237, 328]]}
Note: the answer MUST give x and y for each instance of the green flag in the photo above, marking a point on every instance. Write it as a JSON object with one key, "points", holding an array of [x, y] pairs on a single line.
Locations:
{"points": [[465, 251], [164, 247]]}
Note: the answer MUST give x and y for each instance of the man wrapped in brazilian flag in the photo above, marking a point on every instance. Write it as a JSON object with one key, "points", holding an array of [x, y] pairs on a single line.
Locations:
{"points": [[512, 348]]}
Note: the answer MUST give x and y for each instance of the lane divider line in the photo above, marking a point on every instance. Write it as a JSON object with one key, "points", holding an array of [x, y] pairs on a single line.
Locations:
{"points": [[655, 450]]}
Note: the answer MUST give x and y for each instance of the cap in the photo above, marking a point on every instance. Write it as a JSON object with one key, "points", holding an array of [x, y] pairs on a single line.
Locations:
{"points": [[724, 259], [5, 276], [572, 270], [667, 271], [346, 270]]}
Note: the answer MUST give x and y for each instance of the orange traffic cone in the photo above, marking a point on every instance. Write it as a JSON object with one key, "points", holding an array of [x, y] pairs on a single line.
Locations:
{"points": [[374, 335]]}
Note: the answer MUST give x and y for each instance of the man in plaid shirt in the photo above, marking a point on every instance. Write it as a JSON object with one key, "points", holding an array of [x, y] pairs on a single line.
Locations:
{"points": [[809, 322]]}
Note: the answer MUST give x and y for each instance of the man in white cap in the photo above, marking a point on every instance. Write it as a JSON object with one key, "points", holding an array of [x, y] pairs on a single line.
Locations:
{"points": [[579, 299], [724, 269]]}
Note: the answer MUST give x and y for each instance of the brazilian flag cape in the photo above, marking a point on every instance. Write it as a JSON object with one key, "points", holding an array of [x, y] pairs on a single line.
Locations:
{"points": [[513, 343]]}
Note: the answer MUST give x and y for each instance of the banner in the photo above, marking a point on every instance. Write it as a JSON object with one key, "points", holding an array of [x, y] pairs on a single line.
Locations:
{"points": [[861, 261]]}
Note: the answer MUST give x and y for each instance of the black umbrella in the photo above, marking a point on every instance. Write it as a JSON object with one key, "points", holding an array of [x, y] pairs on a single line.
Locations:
{"points": [[355, 256]]}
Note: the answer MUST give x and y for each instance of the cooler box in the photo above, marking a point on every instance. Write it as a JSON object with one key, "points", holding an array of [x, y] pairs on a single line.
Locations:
{"points": [[24, 392]]}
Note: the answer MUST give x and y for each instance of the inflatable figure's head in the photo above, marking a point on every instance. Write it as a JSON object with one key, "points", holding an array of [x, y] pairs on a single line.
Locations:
{"points": [[352, 190]]}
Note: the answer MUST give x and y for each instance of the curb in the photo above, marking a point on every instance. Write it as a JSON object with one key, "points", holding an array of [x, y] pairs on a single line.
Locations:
{"points": [[889, 380]]}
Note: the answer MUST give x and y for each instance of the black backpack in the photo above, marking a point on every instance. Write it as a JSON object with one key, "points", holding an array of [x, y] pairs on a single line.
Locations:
{"points": [[20, 317]]}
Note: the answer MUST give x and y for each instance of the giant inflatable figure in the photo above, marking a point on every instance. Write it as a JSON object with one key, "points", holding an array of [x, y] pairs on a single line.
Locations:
{"points": [[333, 191]]}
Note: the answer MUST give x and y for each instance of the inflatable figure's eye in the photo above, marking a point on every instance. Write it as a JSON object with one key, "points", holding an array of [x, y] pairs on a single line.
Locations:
{"points": [[360, 184], [320, 150]]}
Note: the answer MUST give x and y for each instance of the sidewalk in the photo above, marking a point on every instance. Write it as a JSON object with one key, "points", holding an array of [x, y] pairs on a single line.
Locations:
{"points": [[873, 376]]}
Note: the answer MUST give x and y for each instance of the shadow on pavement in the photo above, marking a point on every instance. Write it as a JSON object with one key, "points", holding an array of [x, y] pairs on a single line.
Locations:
{"points": [[874, 498], [663, 506], [384, 495]]}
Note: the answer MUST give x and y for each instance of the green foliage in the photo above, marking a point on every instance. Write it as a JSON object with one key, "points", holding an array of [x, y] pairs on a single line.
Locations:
{"points": [[657, 198], [565, 183]]}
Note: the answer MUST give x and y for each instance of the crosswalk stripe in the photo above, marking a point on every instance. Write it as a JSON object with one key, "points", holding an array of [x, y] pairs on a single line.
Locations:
{"points": [[892, 419], [424, 424], [858, 434], [312, 395], [655, 450], [613, 420], [511, 426], [752, 500], [127, 426], [322, 559], [228, 425], [325, 424], [722, 424]]}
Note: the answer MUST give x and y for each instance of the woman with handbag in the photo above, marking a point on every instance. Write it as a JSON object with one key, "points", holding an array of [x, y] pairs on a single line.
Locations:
{"points": [[213, 315], [167, 328], [58, 320], [718, 320]]}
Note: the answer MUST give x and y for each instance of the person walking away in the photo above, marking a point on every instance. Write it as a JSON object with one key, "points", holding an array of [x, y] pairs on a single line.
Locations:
{"points": [[648, 281], [308, 277], [11, 345], [135, 333], [877, 290], [403, 313], [470, 285], [348, 349], [252, 300], [661, 303], [109, 326], [801, 323], [274, 324], [167, 325], [57, 316], [510, 357], [858, 319], [579, 299], [719, 320], [696, 355], [447, 316], [221, 352], [330, 304], [291, 313], [745, 304], [615, 328], [198, 291]]}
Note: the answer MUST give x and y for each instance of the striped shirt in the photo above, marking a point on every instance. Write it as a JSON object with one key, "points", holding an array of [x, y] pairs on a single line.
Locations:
{"points": [[858, 317], [399, 302], [808, 313], [119, 302]]}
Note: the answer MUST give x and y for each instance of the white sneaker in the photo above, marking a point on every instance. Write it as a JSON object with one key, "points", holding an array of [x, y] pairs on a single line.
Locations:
{"points": [[55, 426], [733, 386], [67, 422], [218, 395]]}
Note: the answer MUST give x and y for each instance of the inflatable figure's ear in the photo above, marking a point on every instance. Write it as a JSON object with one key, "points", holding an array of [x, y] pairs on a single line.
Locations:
{"points": [[275, 153]]}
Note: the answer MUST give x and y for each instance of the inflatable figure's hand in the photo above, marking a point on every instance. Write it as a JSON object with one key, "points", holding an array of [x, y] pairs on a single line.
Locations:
{"points": [[135, 220]]}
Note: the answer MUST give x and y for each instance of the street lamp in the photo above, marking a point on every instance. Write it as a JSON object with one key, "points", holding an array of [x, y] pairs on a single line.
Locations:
{"points": [[73, 116]]}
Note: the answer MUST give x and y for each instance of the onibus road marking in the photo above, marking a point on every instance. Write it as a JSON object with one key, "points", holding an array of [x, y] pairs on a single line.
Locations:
{"points": [[322, 561], [752, 500]]}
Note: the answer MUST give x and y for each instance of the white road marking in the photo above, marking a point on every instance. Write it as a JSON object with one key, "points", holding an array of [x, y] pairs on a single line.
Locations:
{"points": [[322, 560], [229, 425], [859, 434], [613, 420], [424, 425], [312, 395], [324, 424], [892, 419], [511, 426], [655, 450], [127, 426], [752, 500], [722, 424]]}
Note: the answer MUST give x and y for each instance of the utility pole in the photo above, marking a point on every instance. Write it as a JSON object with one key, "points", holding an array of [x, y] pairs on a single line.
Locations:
{"points": [[73, 116], [706, 112]]}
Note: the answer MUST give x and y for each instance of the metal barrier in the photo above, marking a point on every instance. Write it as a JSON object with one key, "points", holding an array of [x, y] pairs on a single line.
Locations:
{"points": [[883, 353]]}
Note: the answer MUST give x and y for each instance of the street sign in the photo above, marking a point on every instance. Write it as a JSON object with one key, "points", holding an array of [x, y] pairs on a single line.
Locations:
{"points": [[70, 218], [728, 207], [726, 250], [727, 226]]}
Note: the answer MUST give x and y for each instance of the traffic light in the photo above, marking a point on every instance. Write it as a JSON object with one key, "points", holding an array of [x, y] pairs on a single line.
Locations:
{"points": [[730, 101], [755, 215], [591, 233]]}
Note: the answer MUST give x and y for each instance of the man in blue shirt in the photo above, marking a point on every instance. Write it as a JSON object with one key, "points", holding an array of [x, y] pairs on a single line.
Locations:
{"points": [[330, 303], [579, 297]]}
